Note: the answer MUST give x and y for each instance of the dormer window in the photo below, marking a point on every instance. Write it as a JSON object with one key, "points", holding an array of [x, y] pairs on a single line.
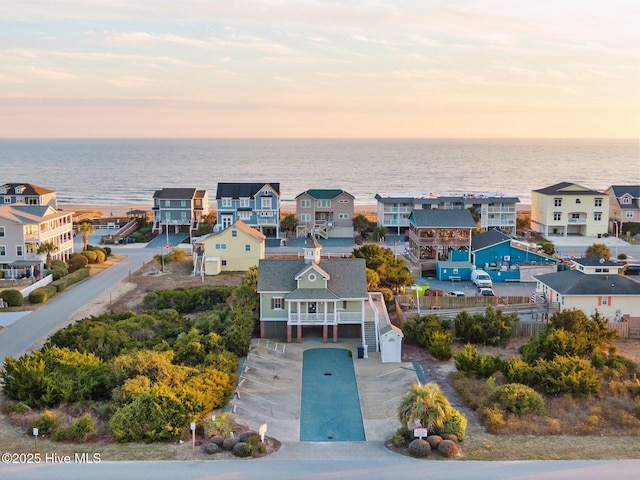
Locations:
{"points": [[18, 190], [626, 200]]}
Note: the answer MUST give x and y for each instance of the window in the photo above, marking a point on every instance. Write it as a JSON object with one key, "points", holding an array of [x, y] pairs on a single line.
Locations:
{"points": [[575, 216], [597, 216], [626, 200], [578, 200], [265, 203], [557, 216], [312, 277], [312, 307], [19, 250], [343, 216], [276, 303], [247, 248], [221, 246], [167, 203], [1, 231], [234, 233], [7, 199], [323, 203], [305, 203], [183, 203], [628, 215], [226, 203], [343, 200], [557, 202], [598, 202], [244, 203], [3, 250], [224, 263], [244, 215], [305, 217]]}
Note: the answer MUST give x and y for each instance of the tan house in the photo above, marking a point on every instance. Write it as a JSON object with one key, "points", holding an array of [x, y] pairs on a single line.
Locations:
{"points": [[235, 249], [23, 228], [624, 206], [325, 213], [569, 209]]}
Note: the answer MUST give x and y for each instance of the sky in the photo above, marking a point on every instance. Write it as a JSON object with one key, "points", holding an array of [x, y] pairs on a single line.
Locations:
{"points": [[320, 68]]}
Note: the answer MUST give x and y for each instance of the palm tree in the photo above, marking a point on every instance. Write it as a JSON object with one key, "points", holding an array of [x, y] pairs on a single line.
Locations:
{"points": [[85, 228], [288, 223], [48, 248], [424, 404]]}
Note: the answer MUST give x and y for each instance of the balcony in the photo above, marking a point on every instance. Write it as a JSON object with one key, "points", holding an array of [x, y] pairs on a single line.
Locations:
{"points": [[577, 221], [397, 209], [500, 210], [267, 221], [322, 319]]}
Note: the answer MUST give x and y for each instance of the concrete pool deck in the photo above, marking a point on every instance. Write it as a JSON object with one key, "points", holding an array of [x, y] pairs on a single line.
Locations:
{"points": [[270, 389]]}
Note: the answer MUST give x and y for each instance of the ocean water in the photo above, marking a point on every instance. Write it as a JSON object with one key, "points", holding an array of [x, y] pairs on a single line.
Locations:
{"points": [[128, 171]]}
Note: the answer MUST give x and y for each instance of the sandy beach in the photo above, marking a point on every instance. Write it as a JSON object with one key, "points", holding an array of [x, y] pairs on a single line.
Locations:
{"points": [[100, 211]]}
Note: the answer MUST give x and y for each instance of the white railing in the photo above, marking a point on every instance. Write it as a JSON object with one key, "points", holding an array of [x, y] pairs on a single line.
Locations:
{"points": [[501, 210], [267, 220], [578, 221], [397, 209], [349, 317], [312, 318]]}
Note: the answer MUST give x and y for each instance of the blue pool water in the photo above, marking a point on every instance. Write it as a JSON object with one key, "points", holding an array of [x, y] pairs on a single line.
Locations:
{"points": [[330, 410]]}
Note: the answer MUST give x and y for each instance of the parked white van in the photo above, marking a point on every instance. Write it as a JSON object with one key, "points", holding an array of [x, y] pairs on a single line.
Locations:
{"points": [[481, 279]]}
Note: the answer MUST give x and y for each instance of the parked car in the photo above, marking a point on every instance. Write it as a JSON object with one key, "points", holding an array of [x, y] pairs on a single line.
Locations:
{"points": [[485, 292], [455, 293], [481, 279]]}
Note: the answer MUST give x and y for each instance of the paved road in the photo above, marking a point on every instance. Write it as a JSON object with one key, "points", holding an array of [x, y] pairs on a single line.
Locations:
{"points": [[41, 323], [359, 460]]}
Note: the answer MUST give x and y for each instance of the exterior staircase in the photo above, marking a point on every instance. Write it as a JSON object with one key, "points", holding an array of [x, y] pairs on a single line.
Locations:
{"points": [[371, 336]]}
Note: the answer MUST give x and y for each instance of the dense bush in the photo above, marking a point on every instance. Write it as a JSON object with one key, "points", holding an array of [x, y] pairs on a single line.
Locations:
{"points": [[13, 298], [517, 398], [76, 432], [430, 332], [48, 422], [188, 299], [562, 375], [492, 328], [455, 423], [70, 279], [440, 345], [91, 256], [211, 448], [242, 449], [42, 294], [471, 361], [419, 448], [434, 441], [77, 261]]}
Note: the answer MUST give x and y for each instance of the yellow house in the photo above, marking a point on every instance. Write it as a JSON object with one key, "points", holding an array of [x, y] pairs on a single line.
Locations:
{"points": [[569, 209], [235, 249]]}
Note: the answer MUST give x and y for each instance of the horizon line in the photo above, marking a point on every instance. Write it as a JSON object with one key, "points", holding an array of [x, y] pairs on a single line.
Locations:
{"points": [[309, 138]]}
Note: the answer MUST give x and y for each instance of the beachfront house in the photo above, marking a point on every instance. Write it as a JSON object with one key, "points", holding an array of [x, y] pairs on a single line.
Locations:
{"points": [[439, 235], [490, 210], [593, 284], [23, 228], [508, 260], [624, 206], [179, 210], [569, 209], [256, 204], [27, 193], [235, 249], [325, 213]]}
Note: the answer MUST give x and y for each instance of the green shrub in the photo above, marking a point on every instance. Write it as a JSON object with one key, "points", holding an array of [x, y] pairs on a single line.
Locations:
{"points": [[229, 442], [78, 431], [519, 399], [211, 448], [48, 422], [434, 441], [419, 448], [100, 256], [491, 328], [242, 449], [454, 424], [58, 264], [70, 279], [471, 361], [188, 299], [77, 262], [39, 295], [401, 437], [221, 426], [440, 345], [91, 256], [58, 273], [13, 298]]}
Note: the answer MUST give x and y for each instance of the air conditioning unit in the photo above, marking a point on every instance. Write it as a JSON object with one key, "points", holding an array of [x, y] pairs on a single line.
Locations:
{"points": [[506, 258]]}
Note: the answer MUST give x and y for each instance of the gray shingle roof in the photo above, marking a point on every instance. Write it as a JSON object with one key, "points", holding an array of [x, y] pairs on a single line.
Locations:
{"points": [[312, 294], [175, 193], [573, 282], [595, 262], [348, 277], [441, 218], [563, 188], [324, 194], [488, 238]]}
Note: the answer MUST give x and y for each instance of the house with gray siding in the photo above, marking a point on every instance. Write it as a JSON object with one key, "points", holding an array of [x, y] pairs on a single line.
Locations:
{"points": [[325, 213], [179, 210], [27, 193]]}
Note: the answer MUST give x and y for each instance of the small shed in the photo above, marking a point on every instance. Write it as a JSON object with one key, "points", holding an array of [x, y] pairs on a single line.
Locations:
{"points": [[390, 344], [454, 271], [212, 265]]}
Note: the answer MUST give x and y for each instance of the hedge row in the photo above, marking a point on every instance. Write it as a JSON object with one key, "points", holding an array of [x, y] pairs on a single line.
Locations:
{"points": [[70, 279]]}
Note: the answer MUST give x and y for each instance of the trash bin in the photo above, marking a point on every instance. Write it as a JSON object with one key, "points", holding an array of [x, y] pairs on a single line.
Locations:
{"points": [[599, 235], [360, 352]]}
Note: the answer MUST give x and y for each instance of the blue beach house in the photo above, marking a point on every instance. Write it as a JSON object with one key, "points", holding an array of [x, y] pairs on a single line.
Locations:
{"points": [[256, 204], [508, 260]]}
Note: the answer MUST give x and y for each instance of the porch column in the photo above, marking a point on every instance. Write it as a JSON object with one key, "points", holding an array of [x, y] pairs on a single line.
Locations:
{"points": [[261, 328], [325, 333], [299, 334], [288, 333], [335, 333]]}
